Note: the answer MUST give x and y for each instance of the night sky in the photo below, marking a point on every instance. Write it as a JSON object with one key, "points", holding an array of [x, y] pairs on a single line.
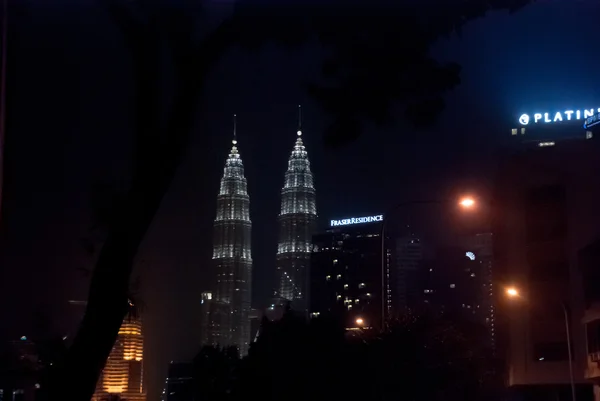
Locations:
{"points": [[70, 109]]}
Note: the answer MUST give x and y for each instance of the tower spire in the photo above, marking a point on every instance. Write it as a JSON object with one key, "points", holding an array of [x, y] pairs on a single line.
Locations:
{"points": [[234, 141], [299, 120]]}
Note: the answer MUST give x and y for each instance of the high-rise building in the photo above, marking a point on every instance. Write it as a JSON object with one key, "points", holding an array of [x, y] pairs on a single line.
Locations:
{"points": [[406, 274], [346, 274], [588, 261], [21, 370], [457, 281], [546, 212], [479, 250], [207, 328], [179, 385], [230, 300], [296, 225], [123, 374], [452, 284]]}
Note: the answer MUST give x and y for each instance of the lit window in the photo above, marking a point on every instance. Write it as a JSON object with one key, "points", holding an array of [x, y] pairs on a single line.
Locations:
{"points": [[339, 297], [345, 286], [452, 285], [327, 278], [361, 285], [339, 276], [335, 261], [368, 294]]}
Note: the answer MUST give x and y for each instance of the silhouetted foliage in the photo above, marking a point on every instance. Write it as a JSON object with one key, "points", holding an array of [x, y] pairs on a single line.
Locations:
{"points": [[378, 57], [421, 357]]}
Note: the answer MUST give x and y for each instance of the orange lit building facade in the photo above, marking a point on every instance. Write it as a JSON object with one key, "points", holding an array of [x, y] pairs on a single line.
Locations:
{"points": [[123, 375]]}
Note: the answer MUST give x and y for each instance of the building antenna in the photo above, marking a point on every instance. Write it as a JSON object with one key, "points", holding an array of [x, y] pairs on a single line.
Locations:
{"points": [[299, 120], [234, 129]]}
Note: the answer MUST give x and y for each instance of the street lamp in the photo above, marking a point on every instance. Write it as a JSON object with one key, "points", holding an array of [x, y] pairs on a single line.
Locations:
{"points": [[465, 203], [359, 321], [513, 293]]}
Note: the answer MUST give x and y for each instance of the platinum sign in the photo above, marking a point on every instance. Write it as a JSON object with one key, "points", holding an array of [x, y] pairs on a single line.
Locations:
{"points": [[356, 220], [566, 115]]}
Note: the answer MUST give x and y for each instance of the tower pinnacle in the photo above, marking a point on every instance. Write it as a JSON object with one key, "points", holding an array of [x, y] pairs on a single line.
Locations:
{"points": [[299, 120], [234, 141]]}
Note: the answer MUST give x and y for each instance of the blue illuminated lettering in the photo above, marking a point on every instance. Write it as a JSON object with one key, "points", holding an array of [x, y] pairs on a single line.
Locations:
{"points": [[557, 117], [525, 119]]}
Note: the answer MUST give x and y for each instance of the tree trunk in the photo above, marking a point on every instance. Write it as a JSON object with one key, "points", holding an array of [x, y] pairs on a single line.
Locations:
{"points": [[108, 295], [157, 157]]}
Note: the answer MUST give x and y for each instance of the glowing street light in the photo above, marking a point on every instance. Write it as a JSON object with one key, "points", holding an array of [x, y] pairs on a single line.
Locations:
{"points": [[467, 203], [513, 292], [359, 322]]}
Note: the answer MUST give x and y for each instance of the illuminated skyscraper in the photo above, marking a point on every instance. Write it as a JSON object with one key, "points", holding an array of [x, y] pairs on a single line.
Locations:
{"points": [[123, 374], [296, 225], [229, 323]]}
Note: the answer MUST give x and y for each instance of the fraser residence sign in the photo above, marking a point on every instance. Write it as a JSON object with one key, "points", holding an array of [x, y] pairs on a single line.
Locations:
{"points": [[356, 220]]}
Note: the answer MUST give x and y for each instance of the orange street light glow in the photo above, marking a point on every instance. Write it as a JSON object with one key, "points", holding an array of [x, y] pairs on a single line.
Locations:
{"points": [[467, 202], [512, 292], [359, 321]]}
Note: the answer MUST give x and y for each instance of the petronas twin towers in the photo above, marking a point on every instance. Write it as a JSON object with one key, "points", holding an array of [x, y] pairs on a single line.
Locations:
{"points": [[226, 320], [297, 220]]}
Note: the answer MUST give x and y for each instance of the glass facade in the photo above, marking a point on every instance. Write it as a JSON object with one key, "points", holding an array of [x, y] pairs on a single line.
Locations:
{"points": [[229, 323], [297, 219], [345, 277]]}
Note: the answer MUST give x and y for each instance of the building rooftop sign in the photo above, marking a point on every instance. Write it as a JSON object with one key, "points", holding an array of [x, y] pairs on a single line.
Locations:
{"points": [[356, 220], [558, 116], [592, 120]]}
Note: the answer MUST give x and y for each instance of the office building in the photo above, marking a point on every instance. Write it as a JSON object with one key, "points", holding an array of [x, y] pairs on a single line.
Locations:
{"points": [[451, 284], [479, 249], [21, 370], [228, 322], [179, 385], [346, 274], [589, 261], [297, 219], [407, 289], [123, 374], [208, 329], [546, 204]]}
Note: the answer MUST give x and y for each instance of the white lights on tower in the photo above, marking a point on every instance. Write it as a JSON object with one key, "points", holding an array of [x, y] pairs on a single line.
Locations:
{"points": [[296, 225], [232, 256]]}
